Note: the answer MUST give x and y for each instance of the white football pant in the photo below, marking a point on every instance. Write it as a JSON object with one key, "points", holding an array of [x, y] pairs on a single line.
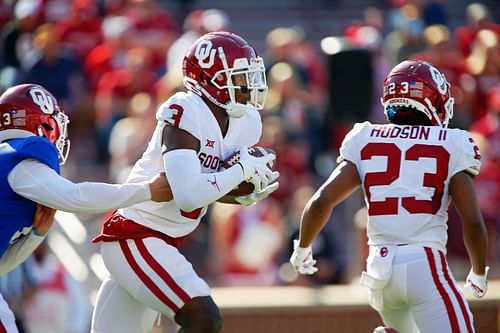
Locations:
{"points": [[7, 319], [422, 295], [147, 276]]}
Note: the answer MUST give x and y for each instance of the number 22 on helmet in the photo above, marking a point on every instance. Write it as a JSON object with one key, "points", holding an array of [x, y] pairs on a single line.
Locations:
{"points": [[29, 109]]}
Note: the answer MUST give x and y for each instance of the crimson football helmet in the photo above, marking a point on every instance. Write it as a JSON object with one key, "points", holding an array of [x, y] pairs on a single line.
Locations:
{"points": [[211, 64], [29, 109], [418, 85]]}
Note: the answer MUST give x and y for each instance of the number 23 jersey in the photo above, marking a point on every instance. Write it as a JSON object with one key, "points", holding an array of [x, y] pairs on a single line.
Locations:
{"points": [[405, 173]]}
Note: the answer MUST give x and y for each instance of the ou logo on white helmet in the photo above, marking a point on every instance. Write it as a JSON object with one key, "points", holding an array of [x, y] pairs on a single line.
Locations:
{"points": [[205, 54], [43, 100], [439, 79]]}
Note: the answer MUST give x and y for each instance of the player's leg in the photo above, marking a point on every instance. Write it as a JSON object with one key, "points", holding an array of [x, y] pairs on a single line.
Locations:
{"points": [[396, 311], [159, 276], [400, 320], [7, 319], [438, 304], [116, 311], [199, 315]]}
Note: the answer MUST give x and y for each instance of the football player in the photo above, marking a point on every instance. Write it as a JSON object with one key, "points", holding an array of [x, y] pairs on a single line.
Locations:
{"points": [[196, 131], [409, 170], [33, 145]]}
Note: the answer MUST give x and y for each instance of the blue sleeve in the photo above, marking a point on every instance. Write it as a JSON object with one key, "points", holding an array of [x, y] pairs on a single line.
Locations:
{"points": [[37, 148]]}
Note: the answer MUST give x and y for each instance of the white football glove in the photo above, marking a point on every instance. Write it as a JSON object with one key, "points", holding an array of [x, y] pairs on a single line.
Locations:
{"points": [[250, 199], [256, 170], [477, 284], [302, 259]]}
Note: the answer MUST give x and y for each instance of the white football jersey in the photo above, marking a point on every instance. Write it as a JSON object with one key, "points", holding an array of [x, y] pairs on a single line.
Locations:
{"points": [[405, 173], [188, 112]]}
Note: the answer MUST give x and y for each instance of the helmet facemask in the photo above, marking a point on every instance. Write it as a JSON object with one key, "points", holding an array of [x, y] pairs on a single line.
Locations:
{"points": [[62, 143], [224, 69], [246, 76], [55, 129]]}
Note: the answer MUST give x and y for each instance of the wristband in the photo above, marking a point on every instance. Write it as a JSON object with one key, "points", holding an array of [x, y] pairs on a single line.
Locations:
{"points": [[36, 232]]}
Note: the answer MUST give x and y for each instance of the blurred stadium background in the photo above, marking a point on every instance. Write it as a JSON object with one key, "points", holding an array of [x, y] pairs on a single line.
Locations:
{"points": [[112, 62]]}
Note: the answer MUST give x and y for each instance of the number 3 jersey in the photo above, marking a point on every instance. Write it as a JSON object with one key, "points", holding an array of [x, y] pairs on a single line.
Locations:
{"points": [[188, 112], [405, 173]]}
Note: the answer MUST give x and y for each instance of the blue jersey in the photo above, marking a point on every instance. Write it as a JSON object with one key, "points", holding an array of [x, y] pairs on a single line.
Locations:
{"points": [[16, 212]]}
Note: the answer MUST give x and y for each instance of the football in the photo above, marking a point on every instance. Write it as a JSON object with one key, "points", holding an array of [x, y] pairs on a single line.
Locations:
{"points": [[245, 188]]}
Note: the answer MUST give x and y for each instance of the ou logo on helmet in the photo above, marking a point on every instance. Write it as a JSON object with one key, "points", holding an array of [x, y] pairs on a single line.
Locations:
{"points": [[205, 54], [439, 79], [43, 100]]}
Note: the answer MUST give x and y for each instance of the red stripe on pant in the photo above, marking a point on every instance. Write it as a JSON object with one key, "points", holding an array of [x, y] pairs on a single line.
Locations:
{"points": [[452, 316], [2, 328], [161, 271], [145, 278], [459, 298]]}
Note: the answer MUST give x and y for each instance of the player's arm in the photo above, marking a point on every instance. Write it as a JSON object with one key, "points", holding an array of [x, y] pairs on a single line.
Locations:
{"points": [[36, 181], [19, 251], [474, 231], [191, 187], [343, 181]]}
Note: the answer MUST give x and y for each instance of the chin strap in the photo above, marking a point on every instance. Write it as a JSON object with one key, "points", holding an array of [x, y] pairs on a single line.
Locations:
{"points": [[237, 110]]}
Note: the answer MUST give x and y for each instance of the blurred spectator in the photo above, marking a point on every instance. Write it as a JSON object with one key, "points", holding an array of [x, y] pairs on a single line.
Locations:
{"points": [[368, 35], [483, 68], [50, 66], [434, 12], [478, 18], [5, 13], [60, 303], [483, 64], [18, 287], [441, 52], [323, 247], [116, 88], [196, 24], [153, 28], [16, 40], [487, 131], [289, 100], [246, 242], [130, 136], [290, 46], [406, 26], [112, 7], [56, 10], [110, 55], [292, 158], [80, 31]]}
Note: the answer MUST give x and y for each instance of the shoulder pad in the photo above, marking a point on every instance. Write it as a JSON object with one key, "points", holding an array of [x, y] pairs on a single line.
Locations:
{"points": [[37, 148], [180, 111]]}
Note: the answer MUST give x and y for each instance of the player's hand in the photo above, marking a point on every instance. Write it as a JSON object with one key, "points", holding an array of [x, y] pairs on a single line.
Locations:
{"points": [[43, 219], [477, 284], [252, 198], [302, 259], [256, 170], [160, 189]]}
